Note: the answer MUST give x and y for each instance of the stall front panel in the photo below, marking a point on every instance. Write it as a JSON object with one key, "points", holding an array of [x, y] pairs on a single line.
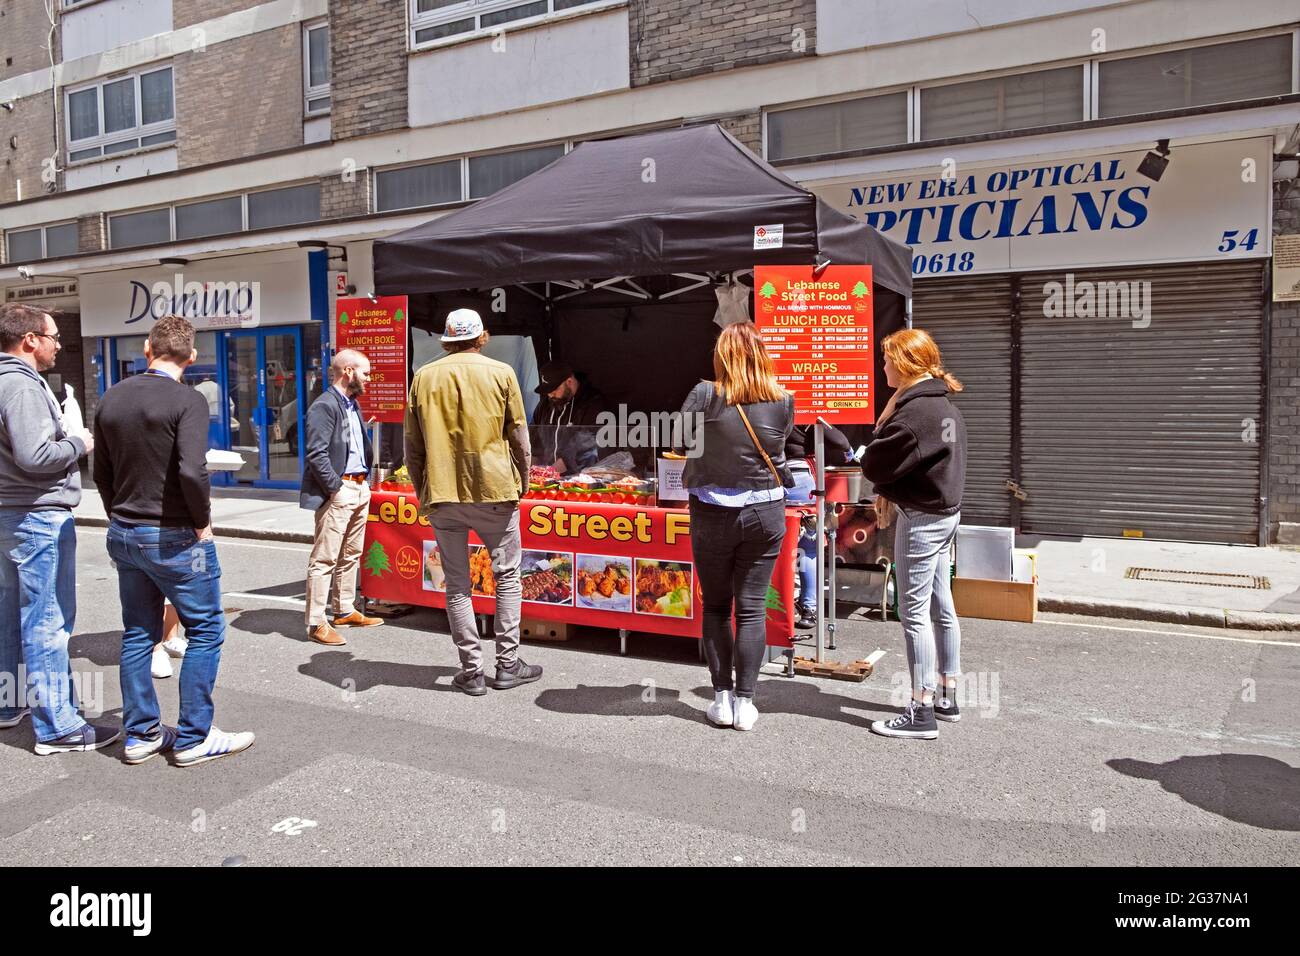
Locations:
{"points": [[603, 565]]}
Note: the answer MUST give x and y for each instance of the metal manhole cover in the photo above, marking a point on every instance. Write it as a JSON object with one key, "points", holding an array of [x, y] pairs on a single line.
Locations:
{"points": [[1211, 578]]}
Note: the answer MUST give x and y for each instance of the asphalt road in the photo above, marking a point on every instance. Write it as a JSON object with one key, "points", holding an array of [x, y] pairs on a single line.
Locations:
{"points": [[1082, 742]]}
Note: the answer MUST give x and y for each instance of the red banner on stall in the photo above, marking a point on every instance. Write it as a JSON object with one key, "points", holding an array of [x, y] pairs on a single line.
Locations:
{"points": [[819, 332], [604, 565], [377, 329]]}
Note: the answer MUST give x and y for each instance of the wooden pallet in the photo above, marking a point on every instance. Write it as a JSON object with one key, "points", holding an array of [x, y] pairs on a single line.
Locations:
{"points": [[836, 670]]}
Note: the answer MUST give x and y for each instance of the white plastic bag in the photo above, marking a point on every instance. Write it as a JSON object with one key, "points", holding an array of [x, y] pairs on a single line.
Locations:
{"points": [[73, 422]]}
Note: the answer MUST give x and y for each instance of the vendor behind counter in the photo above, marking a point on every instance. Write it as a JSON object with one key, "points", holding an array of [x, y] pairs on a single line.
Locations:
{"points": [[567, 401]]}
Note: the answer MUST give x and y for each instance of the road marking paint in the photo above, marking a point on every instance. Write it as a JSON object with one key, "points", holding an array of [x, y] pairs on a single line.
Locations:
{"points": [[1212, 637], [296, 602], [225, 540]]}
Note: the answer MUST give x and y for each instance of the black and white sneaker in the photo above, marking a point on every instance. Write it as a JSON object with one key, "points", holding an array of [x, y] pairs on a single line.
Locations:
{"points": [[945, 705], [916, 721], [88, 737]]}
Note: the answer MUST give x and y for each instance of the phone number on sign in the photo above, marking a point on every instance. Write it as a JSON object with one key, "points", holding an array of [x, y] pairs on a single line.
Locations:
{"points": [[939, 263]]}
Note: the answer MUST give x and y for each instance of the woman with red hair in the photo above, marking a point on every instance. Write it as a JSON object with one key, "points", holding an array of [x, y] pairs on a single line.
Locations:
{"points": [[737, 504], [917, 463]]}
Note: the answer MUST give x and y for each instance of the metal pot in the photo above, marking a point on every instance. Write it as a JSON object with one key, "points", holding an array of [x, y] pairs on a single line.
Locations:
{"points": [[847, 483]]}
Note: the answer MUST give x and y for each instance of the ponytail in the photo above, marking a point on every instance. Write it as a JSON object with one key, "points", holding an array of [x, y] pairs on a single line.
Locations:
{"points": [[945, 376]]}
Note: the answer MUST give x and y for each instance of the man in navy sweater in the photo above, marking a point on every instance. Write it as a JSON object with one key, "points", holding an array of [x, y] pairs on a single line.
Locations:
{"points": [[151, 438]]}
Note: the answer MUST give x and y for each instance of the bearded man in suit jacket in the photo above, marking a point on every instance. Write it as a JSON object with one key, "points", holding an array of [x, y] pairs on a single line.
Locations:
{"points": [[335, 487]]}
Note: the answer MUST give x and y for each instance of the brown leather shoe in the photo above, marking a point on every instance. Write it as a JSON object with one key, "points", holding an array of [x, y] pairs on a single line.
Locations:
{"points": [[356, 619], [324, 634]]}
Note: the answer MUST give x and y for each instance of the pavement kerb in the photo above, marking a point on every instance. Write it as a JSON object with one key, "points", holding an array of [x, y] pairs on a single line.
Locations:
{"points": [[1170, 613], [223, 531], [1060, 604]]}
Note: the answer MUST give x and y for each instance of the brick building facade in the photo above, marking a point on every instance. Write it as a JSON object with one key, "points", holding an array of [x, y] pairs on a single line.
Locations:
{"points": [[262, 73], [1284, 386], [676, 39]]}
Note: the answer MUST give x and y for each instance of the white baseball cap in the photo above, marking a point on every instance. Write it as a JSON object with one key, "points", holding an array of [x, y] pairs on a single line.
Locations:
{"points": [[463, 324]]}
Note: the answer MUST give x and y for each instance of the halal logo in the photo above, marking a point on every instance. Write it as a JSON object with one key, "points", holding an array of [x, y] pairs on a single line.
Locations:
{"points": [[408, 562]]}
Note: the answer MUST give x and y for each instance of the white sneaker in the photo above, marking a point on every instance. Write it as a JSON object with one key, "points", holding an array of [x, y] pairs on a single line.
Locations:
{"points": [[217, 745], [720, 711], [15, 720], [746, 713], [161, 665], [176, 647]]}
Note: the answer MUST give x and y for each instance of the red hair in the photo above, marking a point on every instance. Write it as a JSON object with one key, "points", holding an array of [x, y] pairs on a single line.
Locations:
{"points": [[914, 353]]}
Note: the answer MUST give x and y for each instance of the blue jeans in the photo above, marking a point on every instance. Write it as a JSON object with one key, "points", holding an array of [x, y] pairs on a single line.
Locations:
{"points": [[153, 563], [922, 563], [808, 572], [38, 608]]}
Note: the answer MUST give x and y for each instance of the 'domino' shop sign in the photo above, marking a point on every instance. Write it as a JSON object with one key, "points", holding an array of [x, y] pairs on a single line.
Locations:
{"points": [[232, 293], [1211, 202]]}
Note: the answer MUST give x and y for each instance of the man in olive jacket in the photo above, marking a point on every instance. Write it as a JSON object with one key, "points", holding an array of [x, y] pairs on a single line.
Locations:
{"points": [[468, 454], [335, 487]]}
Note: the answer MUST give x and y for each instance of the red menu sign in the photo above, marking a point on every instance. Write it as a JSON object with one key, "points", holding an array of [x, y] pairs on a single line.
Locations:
{"points": [[819, 334], [377, 329]]}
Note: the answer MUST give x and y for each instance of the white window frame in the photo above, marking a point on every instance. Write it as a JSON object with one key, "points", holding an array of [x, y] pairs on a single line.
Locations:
{"points": [[273, 189], [45, 250], [313, 92], [464, 183], [243, 213], [474, 9], [138, 133], [171, 224], [1098, 62]]}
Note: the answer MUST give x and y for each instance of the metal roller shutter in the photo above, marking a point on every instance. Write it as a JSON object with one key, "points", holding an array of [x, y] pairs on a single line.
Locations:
{"points": [[971, 320], [1149, 430]]}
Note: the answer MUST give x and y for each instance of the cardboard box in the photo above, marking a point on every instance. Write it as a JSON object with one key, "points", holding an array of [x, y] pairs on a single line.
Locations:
{"points": [[996, 600], [544, 630]]}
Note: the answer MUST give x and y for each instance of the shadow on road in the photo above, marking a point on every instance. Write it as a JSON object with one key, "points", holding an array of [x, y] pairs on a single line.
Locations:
{"points": [[103, 647], [1248, 788], [335, 667], [271, 621], [773, 697]]}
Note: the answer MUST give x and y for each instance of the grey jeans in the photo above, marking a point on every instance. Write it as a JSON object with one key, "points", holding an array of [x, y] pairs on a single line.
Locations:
{"points": [[497, 526], [922, 545]]}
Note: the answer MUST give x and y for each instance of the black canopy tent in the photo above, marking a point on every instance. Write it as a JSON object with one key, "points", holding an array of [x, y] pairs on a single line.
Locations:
{"points": [[621, 241]]}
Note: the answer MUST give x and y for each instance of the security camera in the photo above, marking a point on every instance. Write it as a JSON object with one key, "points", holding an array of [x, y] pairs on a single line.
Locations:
{"points": [[26, 272], [8, 106]]}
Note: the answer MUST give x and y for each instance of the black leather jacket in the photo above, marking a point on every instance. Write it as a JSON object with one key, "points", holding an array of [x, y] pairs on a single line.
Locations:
{"points": [[729, 458]]}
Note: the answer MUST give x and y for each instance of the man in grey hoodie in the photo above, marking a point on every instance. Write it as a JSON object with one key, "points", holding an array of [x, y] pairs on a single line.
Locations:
{"points": [[39, 486]]}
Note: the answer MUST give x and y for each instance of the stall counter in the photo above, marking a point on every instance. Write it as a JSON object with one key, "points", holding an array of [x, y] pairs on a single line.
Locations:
{"points": [[617, 566]]}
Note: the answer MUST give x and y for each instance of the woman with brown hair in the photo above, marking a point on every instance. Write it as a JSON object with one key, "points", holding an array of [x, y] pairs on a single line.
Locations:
{"points": [[917, 463], [737, 502]]}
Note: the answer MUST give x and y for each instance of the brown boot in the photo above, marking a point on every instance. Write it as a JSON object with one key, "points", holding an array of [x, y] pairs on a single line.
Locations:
{"points": [[324, 634], [356, 619]]}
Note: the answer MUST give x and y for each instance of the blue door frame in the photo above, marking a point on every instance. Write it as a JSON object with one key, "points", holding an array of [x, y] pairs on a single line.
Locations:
{"points": [[220, 434], [263, 416]]}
